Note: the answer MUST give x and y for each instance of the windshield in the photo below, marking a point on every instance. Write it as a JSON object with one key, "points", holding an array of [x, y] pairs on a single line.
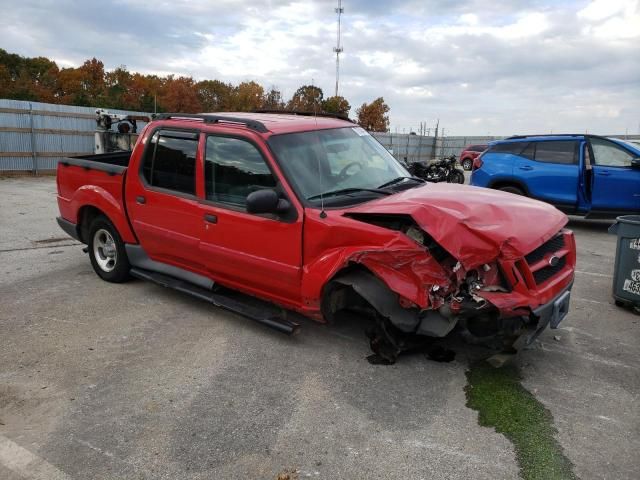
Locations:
{"points": [[324, 161]]}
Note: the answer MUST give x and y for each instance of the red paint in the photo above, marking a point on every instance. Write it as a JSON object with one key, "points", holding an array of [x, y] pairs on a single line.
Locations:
{"points": [[290, 263], [471, 152]]}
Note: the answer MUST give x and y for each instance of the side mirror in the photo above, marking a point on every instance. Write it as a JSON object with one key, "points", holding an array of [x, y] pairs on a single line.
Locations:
{"points": [[266, 201], [635, 162]]}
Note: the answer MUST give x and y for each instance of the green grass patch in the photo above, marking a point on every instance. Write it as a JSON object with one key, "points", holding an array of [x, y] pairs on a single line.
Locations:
{"points": [[504, 404]]}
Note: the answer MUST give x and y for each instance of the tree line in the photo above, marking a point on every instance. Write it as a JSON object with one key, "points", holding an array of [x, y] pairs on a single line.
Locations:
{"points": [[41, 80]]}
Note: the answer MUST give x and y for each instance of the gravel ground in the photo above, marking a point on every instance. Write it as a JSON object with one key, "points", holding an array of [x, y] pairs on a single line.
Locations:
{"points": [[136, 381]]}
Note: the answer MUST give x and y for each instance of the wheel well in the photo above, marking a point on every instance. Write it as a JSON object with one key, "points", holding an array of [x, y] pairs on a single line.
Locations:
{"points": [[336, 297], [509, 183], [86, 215]]}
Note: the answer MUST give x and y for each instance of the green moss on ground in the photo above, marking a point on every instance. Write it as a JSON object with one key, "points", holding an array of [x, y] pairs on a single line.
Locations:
{"points": [[503, 403]]}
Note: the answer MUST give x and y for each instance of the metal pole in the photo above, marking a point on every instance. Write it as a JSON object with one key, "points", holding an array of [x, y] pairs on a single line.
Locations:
{"points": [[338, 48], [34, 157]]}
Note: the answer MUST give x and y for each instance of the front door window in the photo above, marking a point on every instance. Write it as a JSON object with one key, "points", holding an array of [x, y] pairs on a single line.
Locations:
{"points": [[233, 169], [608, 154]]}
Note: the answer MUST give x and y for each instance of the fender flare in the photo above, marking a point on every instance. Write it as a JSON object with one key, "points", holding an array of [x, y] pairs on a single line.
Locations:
{"points": [[102, 200]]}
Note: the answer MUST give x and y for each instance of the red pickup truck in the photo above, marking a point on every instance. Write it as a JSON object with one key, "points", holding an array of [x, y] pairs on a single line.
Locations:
{"points": [[312, 214]]}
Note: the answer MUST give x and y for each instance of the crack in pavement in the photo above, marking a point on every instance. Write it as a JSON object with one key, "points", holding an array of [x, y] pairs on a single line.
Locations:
{"points": [[41, 247]]}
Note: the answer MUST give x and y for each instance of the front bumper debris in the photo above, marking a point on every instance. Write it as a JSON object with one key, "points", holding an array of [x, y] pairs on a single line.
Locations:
{"points": [[549, 314]]}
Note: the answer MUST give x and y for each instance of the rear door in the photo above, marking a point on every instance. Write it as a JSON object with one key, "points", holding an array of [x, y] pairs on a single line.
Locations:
{"points": [[161, 199], [261, 253], [616, 185], [550, 169]]}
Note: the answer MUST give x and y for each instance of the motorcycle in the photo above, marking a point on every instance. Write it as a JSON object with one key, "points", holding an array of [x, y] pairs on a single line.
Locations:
{"points": [[443, 170]]}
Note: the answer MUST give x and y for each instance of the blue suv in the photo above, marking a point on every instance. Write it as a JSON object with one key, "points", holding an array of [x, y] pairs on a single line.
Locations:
{"points": [[579, 174]]}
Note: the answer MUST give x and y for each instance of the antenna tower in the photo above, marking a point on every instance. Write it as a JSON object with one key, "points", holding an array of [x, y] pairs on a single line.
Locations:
{"points": [[338, 48]]}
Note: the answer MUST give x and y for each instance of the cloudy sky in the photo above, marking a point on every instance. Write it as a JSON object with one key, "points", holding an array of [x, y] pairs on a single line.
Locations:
{"points": [[480, 66]]}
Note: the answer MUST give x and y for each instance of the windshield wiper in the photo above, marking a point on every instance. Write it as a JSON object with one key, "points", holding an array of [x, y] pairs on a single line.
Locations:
{"points": [[344, 191], [399, 179]]}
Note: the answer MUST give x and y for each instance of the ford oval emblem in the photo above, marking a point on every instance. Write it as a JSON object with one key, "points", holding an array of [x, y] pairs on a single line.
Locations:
{"points": [[553, 261]]}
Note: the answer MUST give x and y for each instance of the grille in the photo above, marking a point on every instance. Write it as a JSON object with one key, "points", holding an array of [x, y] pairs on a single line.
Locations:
{"points": [[553, 245], [546, 273]]}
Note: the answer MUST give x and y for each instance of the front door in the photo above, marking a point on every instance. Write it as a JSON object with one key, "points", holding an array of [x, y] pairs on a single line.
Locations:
{"points": [[255, 253], [616, 184], [161, 199]]}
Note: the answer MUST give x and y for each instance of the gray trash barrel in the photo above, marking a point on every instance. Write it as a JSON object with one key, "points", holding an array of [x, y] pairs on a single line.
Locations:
{"points": [[626, 274]]}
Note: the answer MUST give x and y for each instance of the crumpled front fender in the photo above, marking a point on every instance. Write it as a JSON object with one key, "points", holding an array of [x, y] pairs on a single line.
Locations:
{"points": [[406, 269]]}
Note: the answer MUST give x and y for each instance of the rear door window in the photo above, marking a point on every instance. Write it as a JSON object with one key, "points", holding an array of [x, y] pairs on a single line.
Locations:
{"points": [[170, 161], [559, 151], [233, 169], [514, 148]]}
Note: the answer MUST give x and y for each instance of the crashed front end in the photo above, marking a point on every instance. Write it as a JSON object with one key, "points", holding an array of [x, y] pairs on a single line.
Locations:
{"points": [[503, 300]]}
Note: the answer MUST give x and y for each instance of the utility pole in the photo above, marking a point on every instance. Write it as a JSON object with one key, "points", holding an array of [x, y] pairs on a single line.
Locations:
{"points": [[338, 48]]}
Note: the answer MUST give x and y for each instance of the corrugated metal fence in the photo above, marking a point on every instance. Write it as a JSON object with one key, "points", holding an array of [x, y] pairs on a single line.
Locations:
{"points": [[414, 148], [34, 136], [407, 148]]}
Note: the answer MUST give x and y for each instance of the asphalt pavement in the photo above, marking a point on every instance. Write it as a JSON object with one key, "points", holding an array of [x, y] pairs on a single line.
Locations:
{"points": [[137, 381]]}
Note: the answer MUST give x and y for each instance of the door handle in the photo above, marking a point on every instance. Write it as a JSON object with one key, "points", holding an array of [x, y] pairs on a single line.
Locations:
{"points": [[208, 217], [526, 167], [604, 173], [141, 200]]}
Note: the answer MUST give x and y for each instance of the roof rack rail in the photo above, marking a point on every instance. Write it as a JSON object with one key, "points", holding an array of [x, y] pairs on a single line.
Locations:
{"points": [[516, 137], [306, 114], [207, 118]]}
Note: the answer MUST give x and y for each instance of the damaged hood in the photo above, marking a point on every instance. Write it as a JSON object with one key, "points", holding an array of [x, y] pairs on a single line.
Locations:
{"points": [[475, 225]]}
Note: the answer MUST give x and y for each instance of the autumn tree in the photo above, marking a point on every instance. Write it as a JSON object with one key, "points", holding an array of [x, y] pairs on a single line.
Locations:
{"points": [[70, 87], [141, 93], [28, 78], [179, 95], [307, 98], [40, 79], [273, 100], [92, 81], [373, 116], [84, 85], [117, 83], [338, 105], [5, 82], [247, 97], [214, 95]]}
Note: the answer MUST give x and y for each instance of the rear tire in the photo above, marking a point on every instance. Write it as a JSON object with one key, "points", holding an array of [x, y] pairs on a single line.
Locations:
{"points": [[512, 189], [456, 176], [467, 164], [106, 251]]}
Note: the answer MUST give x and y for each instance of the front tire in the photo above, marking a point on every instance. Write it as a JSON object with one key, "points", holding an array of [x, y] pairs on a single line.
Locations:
{"points": [[467, 163], [106, 251]]}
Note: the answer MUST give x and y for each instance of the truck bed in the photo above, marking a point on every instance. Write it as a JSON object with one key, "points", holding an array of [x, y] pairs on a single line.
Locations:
{"points": [[113, 163], [96, 181]]}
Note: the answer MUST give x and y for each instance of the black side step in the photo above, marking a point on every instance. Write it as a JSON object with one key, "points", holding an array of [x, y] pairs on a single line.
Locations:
{"points": [[260, 315]]}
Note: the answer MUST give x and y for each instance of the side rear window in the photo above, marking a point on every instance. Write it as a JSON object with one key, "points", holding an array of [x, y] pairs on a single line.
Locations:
{"points": [[478, 148], [561, 151], [233, 169], [514, 148], [170, 161]]}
